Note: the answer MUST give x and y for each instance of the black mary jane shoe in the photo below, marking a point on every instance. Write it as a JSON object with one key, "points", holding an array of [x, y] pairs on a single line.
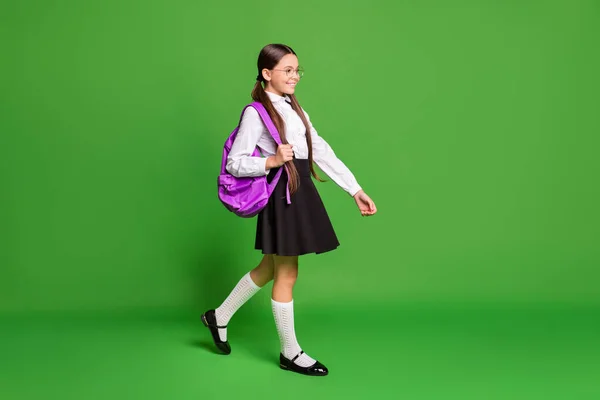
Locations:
{"points": [[317, 369], [210, 321]]}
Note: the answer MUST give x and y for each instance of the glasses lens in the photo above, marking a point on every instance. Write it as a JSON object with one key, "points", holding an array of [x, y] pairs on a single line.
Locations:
{"points": [[290, 72]]}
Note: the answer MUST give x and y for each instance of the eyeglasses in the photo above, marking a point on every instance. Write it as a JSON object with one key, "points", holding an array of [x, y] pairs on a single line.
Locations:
{"points": [[290, 72]]}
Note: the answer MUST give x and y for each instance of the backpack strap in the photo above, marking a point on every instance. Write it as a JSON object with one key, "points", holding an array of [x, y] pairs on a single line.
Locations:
{"points": [[264, 115]]}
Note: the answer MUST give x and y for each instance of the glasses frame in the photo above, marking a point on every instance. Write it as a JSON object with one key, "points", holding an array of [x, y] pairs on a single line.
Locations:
{"points": [[299, 72]]}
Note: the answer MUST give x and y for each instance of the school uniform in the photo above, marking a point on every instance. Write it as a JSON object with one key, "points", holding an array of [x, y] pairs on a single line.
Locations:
{"points": [[303, 226]]}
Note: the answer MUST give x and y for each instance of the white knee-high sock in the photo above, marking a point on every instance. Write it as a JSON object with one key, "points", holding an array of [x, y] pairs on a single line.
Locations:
{"points": [[241, 293], [284, 320]]}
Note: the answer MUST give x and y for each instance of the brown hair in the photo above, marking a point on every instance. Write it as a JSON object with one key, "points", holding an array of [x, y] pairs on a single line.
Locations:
{"points": [[268, 58]]}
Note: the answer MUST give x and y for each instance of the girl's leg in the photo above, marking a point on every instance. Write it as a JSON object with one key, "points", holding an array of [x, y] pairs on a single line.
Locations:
{"points": [[263, 273], [285, 275], [250, 283]]}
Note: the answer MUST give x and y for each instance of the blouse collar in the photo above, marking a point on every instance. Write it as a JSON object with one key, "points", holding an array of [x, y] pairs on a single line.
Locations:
{"points": [[276, 98]]}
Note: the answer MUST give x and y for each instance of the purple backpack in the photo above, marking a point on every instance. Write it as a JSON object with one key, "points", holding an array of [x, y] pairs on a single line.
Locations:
{"points": [[247, 196]]}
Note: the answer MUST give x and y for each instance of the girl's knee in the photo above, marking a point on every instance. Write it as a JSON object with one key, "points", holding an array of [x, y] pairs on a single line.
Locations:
{"points": [[286, 276], [286, 270]]}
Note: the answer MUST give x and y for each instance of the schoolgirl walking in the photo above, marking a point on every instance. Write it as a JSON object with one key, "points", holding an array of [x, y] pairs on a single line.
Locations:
{"points": [[293, 220]]}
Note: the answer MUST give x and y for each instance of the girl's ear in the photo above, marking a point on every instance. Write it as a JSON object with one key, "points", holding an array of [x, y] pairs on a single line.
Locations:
{"points": [[266, 74]]}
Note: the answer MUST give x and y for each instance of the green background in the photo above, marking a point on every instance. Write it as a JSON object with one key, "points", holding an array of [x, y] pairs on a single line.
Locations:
{"points": [[472, 124]]}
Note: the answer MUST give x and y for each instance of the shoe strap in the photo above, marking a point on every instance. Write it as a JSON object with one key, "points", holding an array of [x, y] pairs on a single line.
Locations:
{"points": [[215, 326], [298, 355]]}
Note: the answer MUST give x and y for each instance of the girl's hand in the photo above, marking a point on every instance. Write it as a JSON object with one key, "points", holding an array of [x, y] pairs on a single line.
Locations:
{"points": [[284, 154], [365, 204]]}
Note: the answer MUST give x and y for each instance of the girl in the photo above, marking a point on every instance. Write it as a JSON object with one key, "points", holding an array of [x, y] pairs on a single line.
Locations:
{"points": [[284, 231]]}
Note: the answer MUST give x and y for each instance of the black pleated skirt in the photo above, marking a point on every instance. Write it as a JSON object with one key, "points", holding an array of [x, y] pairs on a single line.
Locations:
{"points": [[298, 228]]}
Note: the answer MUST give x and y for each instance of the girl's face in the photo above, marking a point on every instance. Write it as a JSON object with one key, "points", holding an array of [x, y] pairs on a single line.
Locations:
{"points": [[282, 79]]}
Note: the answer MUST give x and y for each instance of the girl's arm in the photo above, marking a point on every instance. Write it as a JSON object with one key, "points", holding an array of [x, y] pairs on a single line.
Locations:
{"points": [[327, 160], [240, 162]]}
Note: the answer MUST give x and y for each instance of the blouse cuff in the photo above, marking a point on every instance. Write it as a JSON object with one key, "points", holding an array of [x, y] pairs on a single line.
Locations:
{"points": [[354, 189], [262, 165]]}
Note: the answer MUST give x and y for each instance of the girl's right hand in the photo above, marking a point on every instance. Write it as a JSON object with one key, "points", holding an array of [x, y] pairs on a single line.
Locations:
{"points": [[284, 154]]}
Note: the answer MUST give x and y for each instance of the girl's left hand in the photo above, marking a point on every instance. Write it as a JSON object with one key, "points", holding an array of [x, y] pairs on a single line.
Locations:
{"points": [[365, 204]]}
